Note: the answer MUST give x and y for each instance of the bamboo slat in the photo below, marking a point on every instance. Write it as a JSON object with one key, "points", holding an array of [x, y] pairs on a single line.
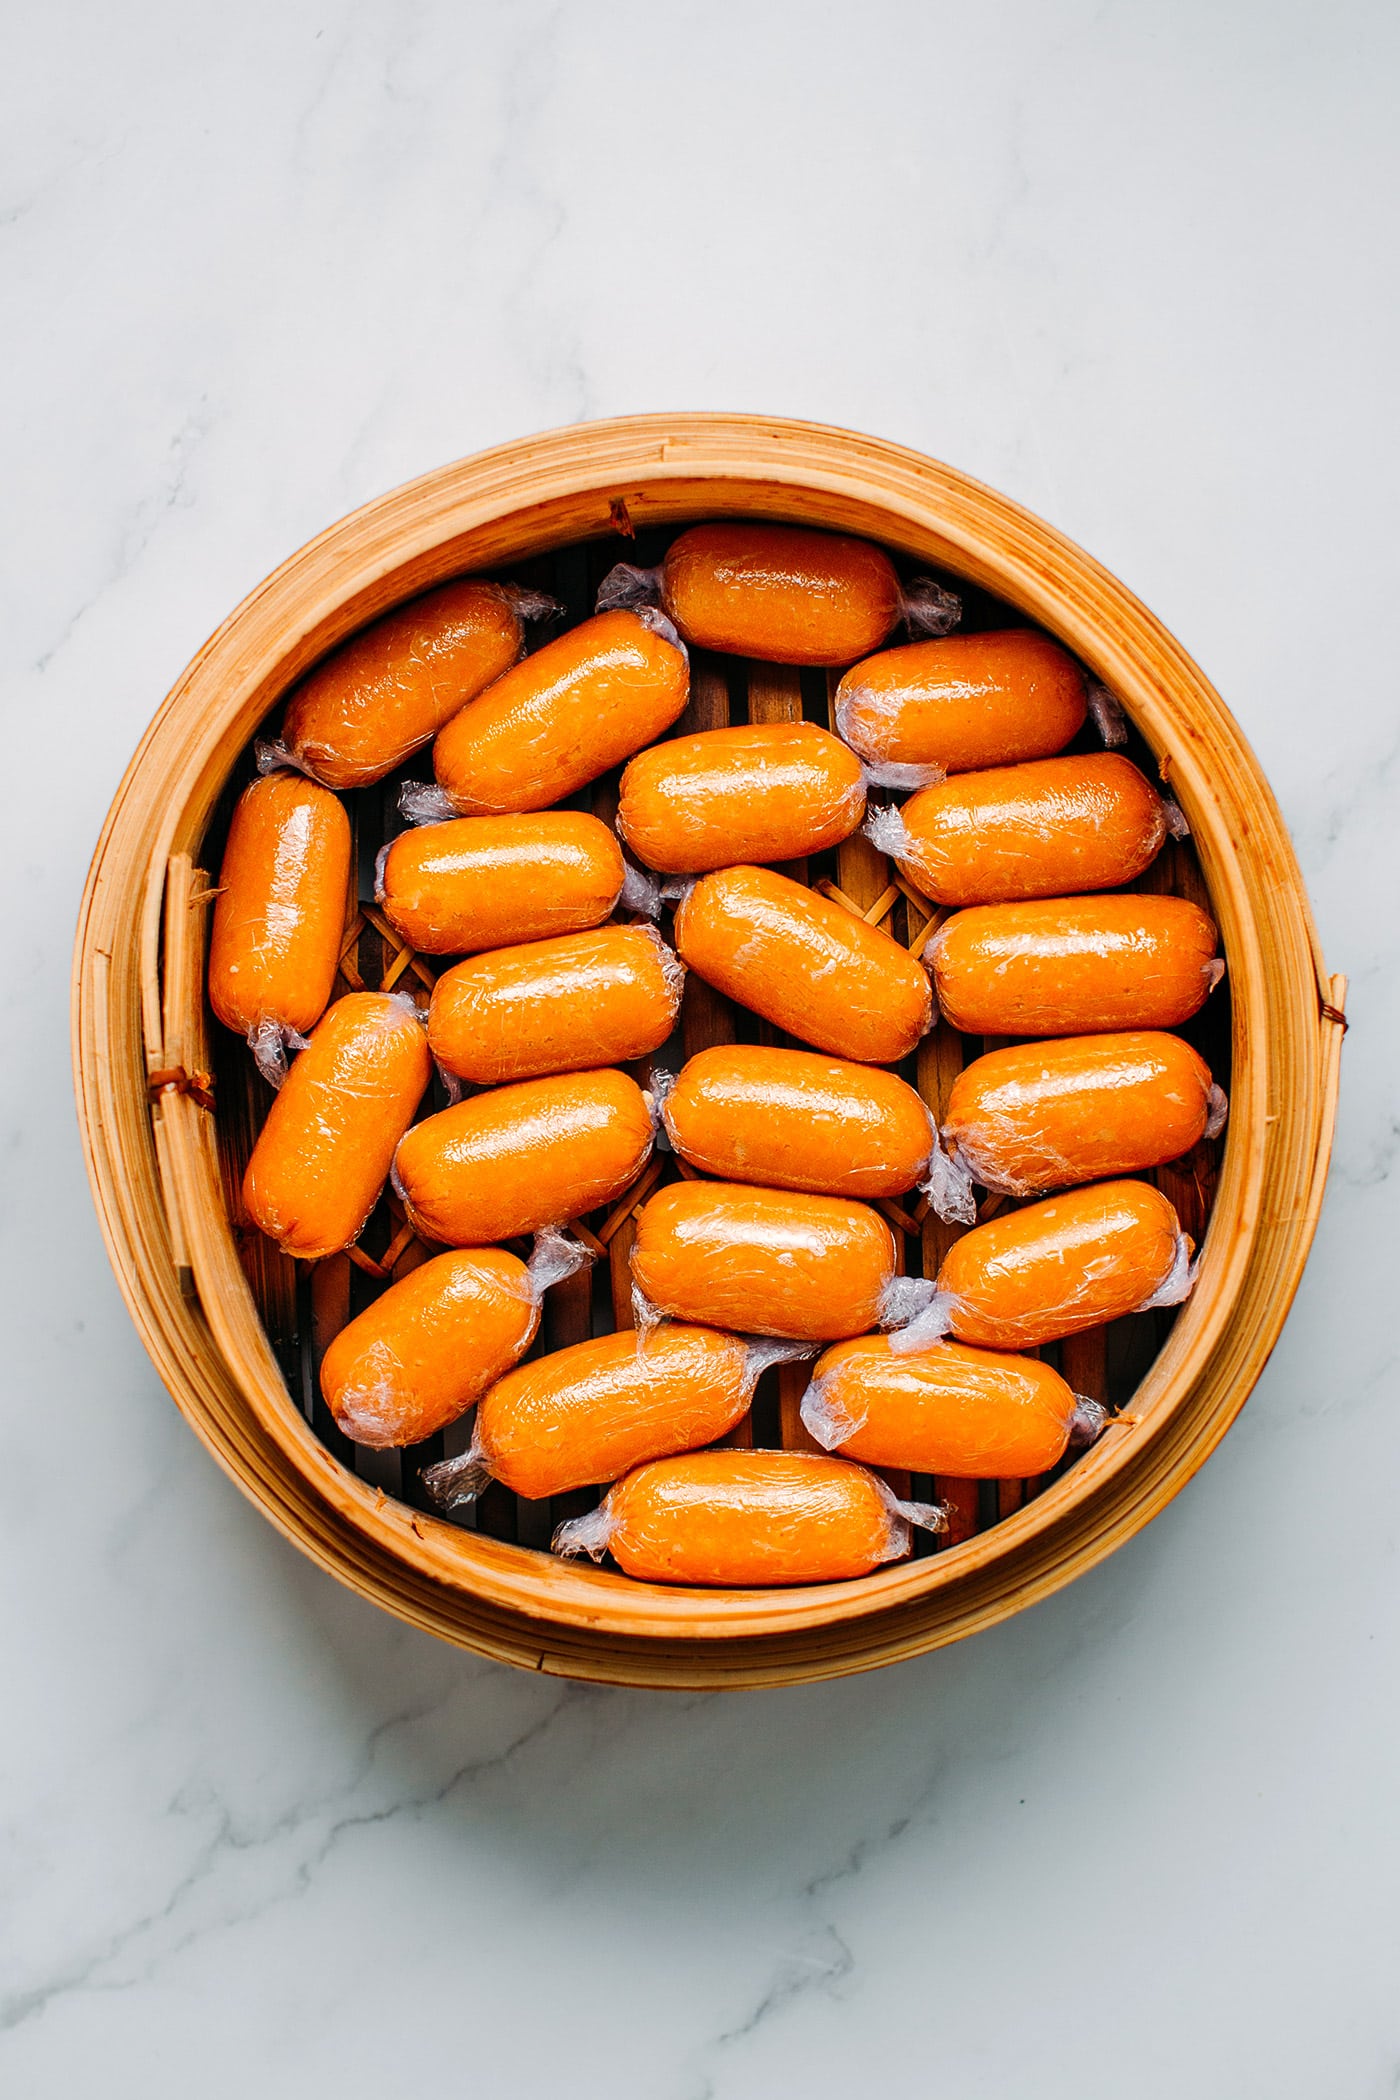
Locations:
{"points": [[157, 1178]]}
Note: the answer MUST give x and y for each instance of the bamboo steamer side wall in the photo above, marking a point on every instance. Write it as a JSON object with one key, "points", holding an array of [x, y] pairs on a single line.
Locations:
{"points": [[227, 1375]]}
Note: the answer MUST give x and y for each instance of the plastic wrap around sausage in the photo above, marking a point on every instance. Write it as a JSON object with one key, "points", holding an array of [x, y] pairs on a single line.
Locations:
{"points": [[589, 999], [584, 702], [1058, 1267], [390, 688], [488, 882], [1049, 829], [1040, 1116], [969, 1414], [589, 1413], [417, 1358], [804, 963], [748, 1520], [783, 593], [767, 791], [279, 915], [322, 1156], [769, 1261], [964, 702], [509, 1161], [1074, 965], [794, 1120]]}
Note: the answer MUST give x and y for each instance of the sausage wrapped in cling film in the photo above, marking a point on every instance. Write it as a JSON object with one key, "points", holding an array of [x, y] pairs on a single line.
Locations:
{"points": [[418, 1357], [783, 593], [963, 702], [769, 1261], [757, 792], [1053, 828], [279, 915], [590, 1413], [459, 886], [588, 999], [968, 1414], [391, 687], [321, 1158], [519, 1157], [1074, 965], [794, 1119], [583, 703], [969, 701], [1056, 1268], [1044, 1115], [806, 964], [749, 1520], [789, 1119]]}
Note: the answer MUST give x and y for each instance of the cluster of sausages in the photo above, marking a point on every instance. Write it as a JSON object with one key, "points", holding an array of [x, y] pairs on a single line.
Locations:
{"points": [[771, 1248]]}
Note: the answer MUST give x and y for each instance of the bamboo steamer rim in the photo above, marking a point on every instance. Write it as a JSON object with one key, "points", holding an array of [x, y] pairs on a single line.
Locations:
{"points": [[526, 498]]}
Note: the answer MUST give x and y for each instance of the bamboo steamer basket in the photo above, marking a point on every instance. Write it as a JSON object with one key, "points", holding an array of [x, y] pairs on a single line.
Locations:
{"points": [[142, 1056]]}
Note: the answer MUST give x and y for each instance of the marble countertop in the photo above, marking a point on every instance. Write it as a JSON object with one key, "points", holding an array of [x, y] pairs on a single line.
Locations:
{"points": [[1130, 265]]}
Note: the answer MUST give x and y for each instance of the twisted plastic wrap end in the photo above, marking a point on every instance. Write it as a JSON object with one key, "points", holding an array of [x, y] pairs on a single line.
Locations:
{"points": [[626, 586], [586, 1534], [454, 1482], [928, 609]]}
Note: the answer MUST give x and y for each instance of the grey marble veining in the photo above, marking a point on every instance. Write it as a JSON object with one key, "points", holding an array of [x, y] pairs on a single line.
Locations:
{"points": [[1132, 265]]}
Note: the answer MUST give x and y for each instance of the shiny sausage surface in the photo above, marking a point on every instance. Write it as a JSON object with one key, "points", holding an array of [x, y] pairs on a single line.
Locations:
{"points": [[763, 1261], [1055, 1268], [520, 1157], [588, 1413], [584, 702], [796, 1120], [489, 882], [1074, 965], [1039, 1116], [280, 913], [322, 1156], [415, 1360], [804, 963], [780, 592], [568, 1005], [963, 701], [391, 687], [748, 1520], [1049, 829], [766, 791], [971, 1414]]}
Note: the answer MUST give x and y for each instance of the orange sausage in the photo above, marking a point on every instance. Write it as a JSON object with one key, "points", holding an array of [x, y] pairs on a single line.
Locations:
{"points": [[322, 1155], [770, 791], [797, 1121], [965, 1413], [781, 592], [804, 963], [1043, 830], [417, 1358], [589, 999], [392, 686], [1074, 966], [748, 1520], [280, 912], [488, 882], [584, 702], [523, 1156], [1036, 1275], [588, 1413], [962, 702], [764, 1261], [1047, 1115]]}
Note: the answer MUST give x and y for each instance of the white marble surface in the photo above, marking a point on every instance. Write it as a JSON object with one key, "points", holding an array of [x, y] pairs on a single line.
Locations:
{"points": [[1131, 263]]}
